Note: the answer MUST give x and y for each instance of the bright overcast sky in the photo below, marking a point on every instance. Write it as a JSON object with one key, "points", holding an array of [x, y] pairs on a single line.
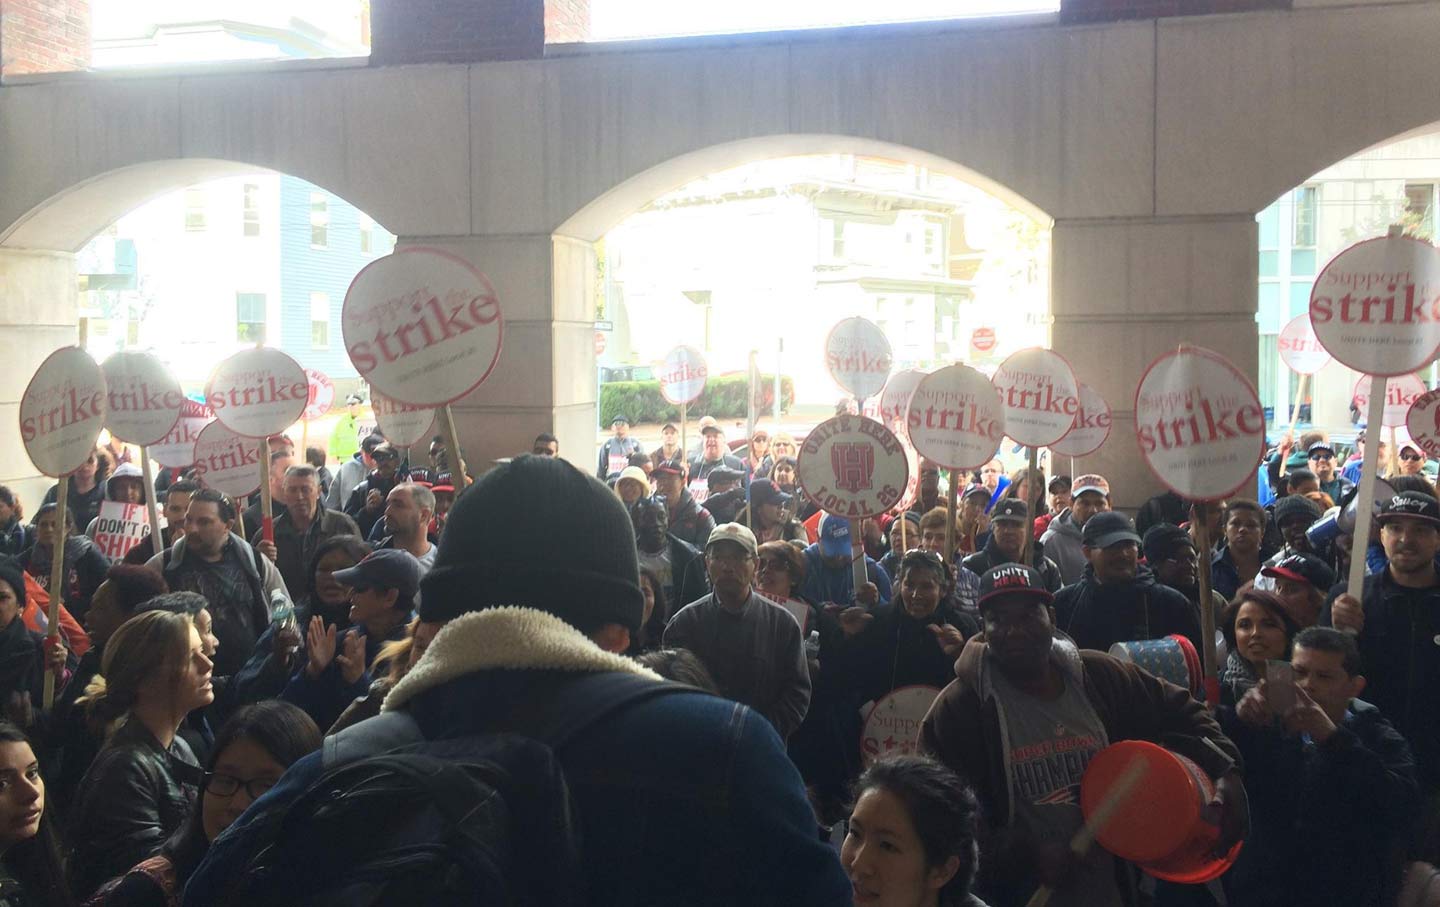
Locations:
{"points": [[612, 19]]}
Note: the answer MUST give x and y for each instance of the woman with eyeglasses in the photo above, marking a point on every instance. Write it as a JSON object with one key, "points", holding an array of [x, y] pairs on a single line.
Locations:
{"points": [[912, 640], [779, 573], [252, 751]]}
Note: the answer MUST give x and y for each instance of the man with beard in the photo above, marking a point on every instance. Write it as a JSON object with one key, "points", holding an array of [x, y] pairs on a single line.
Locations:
{"points": [[675, 561], [409, 509], [750, 645], [687, 519], [1322, 463], [367, 502], [1118, 599], [176, 502], [302, 527]]}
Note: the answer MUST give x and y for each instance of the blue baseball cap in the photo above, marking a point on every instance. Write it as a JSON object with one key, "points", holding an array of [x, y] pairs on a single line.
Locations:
{"points": [[834, 536]]}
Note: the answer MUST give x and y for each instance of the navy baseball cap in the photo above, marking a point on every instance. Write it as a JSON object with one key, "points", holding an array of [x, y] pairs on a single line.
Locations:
{"points": [[1109, 527], [1012, 579], [1011, 510], [764, 491], [389, 568]]}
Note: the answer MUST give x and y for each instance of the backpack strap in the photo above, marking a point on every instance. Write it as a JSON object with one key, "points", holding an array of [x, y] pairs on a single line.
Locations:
{"points": [[565, 704], [384, 732]]}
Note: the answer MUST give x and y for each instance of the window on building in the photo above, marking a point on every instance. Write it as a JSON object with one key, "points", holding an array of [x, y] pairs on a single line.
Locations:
{"points": [[367, 234], [320, 321], [251, 209], [1420, 208], [319, 220], [195, 209], [250, 317], [1305, 198], [837, 238]]}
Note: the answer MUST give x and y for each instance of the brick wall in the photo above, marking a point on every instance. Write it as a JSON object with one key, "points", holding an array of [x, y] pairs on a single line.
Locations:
{"points": [[567, 21], [1111, 10], [456, 31], [44, 36]]}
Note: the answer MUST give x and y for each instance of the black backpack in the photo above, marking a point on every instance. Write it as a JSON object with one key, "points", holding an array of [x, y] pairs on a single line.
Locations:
{"points": [[484, 819]]}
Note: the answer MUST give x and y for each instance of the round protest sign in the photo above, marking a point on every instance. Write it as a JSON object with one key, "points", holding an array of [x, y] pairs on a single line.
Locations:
{"points": [[62, 411], [683, 376], [893, 725], [852, 467], [1199, 424], [177, 449], [895, 397], [259, 392], [1300, 348], [1090, 429], [1376, 305], [422, 325], [402, 423], [1039, 393], [1423, 423], [226, 461], [321, 394], [143, 399], [955, 418], [858, 357], [912, 482], [1400, 393]]}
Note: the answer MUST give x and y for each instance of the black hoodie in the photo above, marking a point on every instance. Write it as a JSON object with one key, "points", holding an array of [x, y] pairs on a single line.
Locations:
{"points": [[1097, 616]]}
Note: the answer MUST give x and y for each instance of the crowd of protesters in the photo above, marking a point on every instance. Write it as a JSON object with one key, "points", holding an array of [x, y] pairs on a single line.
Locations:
{"points": [[216, 697]]}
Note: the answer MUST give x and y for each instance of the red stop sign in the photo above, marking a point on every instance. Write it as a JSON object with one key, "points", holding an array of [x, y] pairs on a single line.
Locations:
{"points": [[983, 340], [599, 342]]}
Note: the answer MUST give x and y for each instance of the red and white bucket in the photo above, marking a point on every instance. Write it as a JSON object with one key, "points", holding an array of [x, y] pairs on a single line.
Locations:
{"points": [[1167, 825]]}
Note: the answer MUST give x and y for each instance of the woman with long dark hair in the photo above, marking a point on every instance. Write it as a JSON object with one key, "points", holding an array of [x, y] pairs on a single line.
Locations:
{"points": [[1257, 630], [252, 751], [31, 873]]}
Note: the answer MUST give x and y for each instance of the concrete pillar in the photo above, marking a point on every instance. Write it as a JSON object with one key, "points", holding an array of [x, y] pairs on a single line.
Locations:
{"points": [[38, 305], [1125, 291], [544, 380]]}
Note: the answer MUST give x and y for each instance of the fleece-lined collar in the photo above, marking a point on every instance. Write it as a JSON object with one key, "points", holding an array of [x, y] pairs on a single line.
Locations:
{"points": [[510, 637]]}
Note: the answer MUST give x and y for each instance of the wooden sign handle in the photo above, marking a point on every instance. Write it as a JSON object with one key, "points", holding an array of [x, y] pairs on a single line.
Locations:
{"points": [[267, 524], [1207, 611], [57, 580], [1365, 499], [152, 507]]}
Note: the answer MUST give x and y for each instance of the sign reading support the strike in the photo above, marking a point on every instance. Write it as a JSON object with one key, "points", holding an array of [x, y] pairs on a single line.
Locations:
{"points": [[896, 396], [893, 725], [1401, 392], [1199, 424], [1091, 428], [226, 462], [177, 449], [1300, 348], [852, 467], [62, 411], [119, 528], [955, 418], [1423, 423], [858, 357], [321, 394], [1376, 305], [257, 393], [402, 423], [683, 376], [143, 398], [422, 325], [1040, 396]]}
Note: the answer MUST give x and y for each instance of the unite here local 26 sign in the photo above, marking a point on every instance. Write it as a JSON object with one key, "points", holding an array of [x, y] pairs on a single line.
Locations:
{"points": [[852, 467]]}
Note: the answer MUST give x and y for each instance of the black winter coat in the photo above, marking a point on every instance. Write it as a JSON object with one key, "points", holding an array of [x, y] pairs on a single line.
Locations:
{"points": [[894, 650], [1097, 616], [22, 668], [990, 556]]}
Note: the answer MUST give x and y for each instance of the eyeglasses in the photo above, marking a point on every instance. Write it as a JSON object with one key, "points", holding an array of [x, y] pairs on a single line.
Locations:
{"points": [[730, 558], [770, 563], [1411, 456], [227, 785], [1322, 456]]}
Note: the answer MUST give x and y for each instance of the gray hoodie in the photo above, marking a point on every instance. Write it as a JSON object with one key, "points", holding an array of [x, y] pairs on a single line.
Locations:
{"points": [[1062, 545]]}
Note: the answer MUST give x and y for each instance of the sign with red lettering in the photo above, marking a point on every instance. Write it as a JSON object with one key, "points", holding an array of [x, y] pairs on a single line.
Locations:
{"points": [[1376, 305], [892, 727], [422, 325], [177, 449], [257, 393], [912, 465], [321, 394], [62, 411], [1300, 348], [402, 423], [119, 527], [1423, 423], [896, 397], [858, 357], [226, 461], [1090, 429], [1199, 424], [982, 340], [1401, 392], [143, 398], [683, 375], [955, 418], [1038, 390], [852, 467]]}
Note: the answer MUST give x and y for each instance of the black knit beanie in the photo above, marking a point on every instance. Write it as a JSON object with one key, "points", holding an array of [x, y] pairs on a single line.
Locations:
{"points": [[1294, 505], [538, 533], [12, 573]]}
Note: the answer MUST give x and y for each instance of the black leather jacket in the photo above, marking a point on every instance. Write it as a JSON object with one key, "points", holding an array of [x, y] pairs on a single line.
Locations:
{"points": [[134, 796]]}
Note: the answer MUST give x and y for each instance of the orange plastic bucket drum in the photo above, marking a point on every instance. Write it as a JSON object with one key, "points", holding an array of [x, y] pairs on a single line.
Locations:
{"points": [[1166, 825]]}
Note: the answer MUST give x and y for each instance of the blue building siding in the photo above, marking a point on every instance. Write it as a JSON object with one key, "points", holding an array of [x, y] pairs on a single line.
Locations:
{"points": [[305, 270]]}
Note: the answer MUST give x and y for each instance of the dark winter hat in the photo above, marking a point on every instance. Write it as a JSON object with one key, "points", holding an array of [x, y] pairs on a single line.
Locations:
{"points": [[1012, 579], [1293, 506], [763, 491], [12, 573], [722, 474], [1162, 539], [1012, 510], [619, 419], [489, 556], [1109, 527]]}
